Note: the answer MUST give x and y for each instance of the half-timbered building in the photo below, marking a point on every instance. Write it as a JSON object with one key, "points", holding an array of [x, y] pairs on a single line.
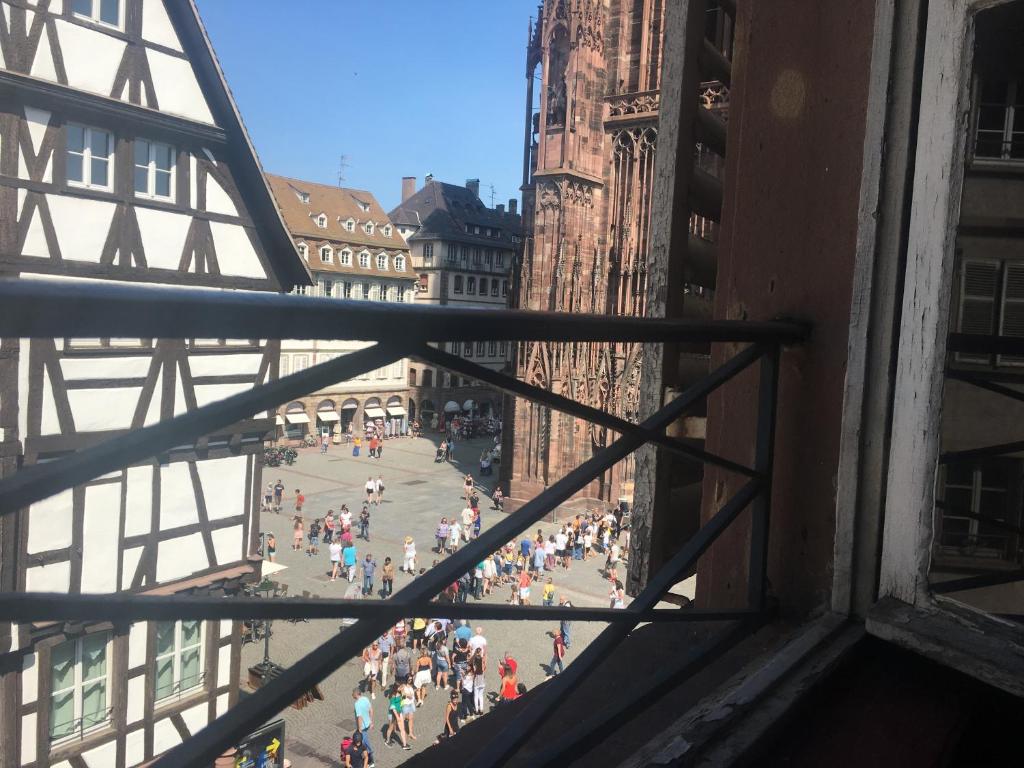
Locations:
{"points": [[123, 157]]}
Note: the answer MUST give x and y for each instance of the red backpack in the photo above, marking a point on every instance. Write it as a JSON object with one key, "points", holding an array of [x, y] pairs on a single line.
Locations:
{"points": [[346, 744]]}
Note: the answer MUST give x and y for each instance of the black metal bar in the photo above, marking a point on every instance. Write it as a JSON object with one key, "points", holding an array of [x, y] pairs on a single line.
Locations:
{"points": [[516, 731], [951, 457], [713, 65], [960, 512], [628, 703], [227, 729], [706, 195], [48, 606], [979, 344], [42, 480], [981, 381], [711, 131], [114, 309], [757, 577], [978, 582], [574, 408]]}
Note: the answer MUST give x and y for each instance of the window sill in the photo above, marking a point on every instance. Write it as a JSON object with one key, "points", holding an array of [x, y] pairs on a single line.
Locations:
{"points": [[69, 746]]}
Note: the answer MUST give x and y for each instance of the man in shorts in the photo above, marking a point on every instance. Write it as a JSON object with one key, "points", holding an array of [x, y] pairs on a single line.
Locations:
{"points": [[300, 500], [371, 490], [278, 495]]}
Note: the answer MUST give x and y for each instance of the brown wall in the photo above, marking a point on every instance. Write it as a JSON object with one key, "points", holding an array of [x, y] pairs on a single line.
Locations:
{"points": [[793, 171]]}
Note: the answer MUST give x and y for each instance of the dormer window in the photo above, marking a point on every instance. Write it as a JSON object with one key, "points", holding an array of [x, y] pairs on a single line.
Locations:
{"points": [[382, 261], [303, 196], [321, 221], [350, 225], [346, 258], [363, 205], [368, 227], [364, 260], [326, 253], [399, 263], [303, 250], [387, 230]]}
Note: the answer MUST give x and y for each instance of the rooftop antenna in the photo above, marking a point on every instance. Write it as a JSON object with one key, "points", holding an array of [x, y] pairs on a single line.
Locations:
{"points": [[491, 187], [342, 165]]}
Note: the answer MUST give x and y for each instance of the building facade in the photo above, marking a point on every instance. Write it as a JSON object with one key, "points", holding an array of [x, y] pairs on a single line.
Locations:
{"points": [[353, 251], [123, 158], [464, 255], [588, 177]]}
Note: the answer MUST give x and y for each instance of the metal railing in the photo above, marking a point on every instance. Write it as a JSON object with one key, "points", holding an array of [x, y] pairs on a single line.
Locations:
{"points": [[112, 310]]}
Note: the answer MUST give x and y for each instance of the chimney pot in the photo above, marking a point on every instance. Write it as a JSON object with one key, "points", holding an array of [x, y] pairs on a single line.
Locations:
{"points": [[513, 206], [408, 187], [473, 185]]}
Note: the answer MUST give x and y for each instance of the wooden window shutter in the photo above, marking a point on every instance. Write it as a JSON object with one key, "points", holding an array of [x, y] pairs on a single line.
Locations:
{"points": [[978, 281], [1012, 320]]}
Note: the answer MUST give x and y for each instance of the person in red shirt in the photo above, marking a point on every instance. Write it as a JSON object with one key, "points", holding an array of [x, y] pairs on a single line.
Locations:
{"points": [[507, 664], [556, 658]]}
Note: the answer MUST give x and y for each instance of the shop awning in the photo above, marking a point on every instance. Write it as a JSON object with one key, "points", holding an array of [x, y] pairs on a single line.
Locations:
{"points": [[328, 416], [396, 410], [279, 420], [451, 407], [374, 413], [468, 405], [349, 406], [297, 418]]}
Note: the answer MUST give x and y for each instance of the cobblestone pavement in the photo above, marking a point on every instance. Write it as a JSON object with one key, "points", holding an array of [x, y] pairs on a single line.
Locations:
{"points": [[418, 493]]}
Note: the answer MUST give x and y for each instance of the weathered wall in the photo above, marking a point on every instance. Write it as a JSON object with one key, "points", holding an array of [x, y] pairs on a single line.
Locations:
{"points": [[793, 172]]}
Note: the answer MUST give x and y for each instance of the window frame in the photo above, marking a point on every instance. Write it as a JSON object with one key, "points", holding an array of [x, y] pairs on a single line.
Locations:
{"points": [[329, 254], [152, 170], [456, 283], [78, 687], [177, 692], [1009, 106], [87, 157], [345, 257], [350, 225], [399, 263], [321, 221], [94, 14], [364, 259], [381, 262], [303, 250]]}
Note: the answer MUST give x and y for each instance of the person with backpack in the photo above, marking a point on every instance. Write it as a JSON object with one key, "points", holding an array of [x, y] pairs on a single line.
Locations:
{"points": [[403, 664], [364, 523], [354, 753]]}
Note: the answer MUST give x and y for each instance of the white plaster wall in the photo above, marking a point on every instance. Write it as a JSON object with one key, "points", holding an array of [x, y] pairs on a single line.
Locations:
{"points": [[49, 524], [37, 120], [130, 563], [192, 196], [163, 236], [195, 717], [225, 627], [223, 665], [81, 226], [177, 89], [228, 544], [211, 393], [103, 756], [35, 238], [221, 365], [42, 65], [23, 347], [75, 368], [223, 483], [91, 58], [137, 644], [139, 506], [156, 27], [235, 253], [136, 698], [100, 538], [29, 678], [48, 578], [177, 499], [135, 747], [165, 736], [49, 423], [99, 410], [217, 199], [181, 557], [28, 738], [222, 704]]}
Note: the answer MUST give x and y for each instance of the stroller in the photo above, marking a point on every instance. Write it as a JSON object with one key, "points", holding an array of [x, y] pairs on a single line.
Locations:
{"points": [[440, 455]]}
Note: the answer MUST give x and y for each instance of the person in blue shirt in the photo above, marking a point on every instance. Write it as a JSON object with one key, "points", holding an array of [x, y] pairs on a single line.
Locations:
{"points": [[464, 632], [348, 557], [364, 718], [524, 546]]}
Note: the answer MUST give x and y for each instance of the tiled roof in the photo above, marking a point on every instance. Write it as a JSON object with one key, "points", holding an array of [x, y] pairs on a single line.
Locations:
{"points": [[301, 202], [443, 210]]}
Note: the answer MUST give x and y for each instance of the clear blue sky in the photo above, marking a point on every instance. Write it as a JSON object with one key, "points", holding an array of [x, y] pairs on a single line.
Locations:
{"points": [[402, 87]]}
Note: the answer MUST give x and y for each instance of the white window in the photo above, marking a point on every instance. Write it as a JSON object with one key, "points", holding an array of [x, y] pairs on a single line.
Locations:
{"points": [[326, 253], [303, 250], [392, 292], [364, 260], [90, 158], [374, 293], [346, 258], [179, 657], [401, 294], [453, 252], [326, 287], [983, 311], [304, 197], [399, 263], [499, 260], [503, 348], [321, 221], [387, 230], [368, 227], [154, 169], [282, 369], [492, 348], [300, 363], [346, 290], [350, 225], [364, 292], [80, 677], [999, 134], [382, 261], [428, 254], [103, 11]]}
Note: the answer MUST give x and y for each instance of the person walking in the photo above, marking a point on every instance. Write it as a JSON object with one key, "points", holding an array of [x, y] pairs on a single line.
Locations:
{"points": [[387, 577], [468, 488], [422, 679], [396, 723], [442, 664], [364, 718], [369, 568], [380, 489], [549, 592], [329, 527], [300, 501], [453, 536], [349, 557], [451, 718], [314, 538], [371, 667], [556, 659], [467, 521], [371, 490], [409, 555], [373, 446], [271, 547], [297, 528], [478, 664], [268, 498], [357, 443], [278, 495], [324, 440], [564, 626], [441, 535], [335, 550], [364, 524]]}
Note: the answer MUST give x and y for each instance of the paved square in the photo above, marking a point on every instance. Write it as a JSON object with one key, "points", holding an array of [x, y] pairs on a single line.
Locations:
{"points": [[418, 492]]}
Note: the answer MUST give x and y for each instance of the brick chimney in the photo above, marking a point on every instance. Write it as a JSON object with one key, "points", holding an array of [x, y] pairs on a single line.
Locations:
{"points": [[408, 187], [500, 208], [473, 185], [513, 206]]}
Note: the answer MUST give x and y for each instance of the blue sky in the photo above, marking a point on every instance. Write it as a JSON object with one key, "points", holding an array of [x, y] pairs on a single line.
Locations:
{"points": [[401, 87]]}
